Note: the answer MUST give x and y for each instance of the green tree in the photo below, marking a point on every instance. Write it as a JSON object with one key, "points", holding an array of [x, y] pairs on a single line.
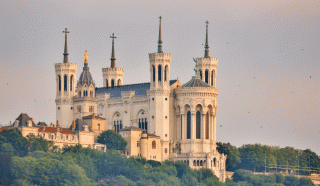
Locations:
{"points": [[39, 143], [232, 152], [113, 140], [5, 168], [17, 141]]}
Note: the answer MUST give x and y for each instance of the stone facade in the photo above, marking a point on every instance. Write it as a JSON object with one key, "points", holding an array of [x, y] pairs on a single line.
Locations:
{"points": [[179, 118]]}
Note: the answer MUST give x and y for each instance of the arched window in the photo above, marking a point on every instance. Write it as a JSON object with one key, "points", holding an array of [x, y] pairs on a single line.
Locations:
{"points": [[198, 163], [153, 73], [194, 163], [112, 83], [200, 72], [165, 73], [98, 126], [119, 82], [207, 76], [84, 93], [107, 83], [204, 163], [65, 82], [91, 93], [214, 162], [201, 163], [154, 144], [143, 123], [198, 125], [212, 76], [189, 125], [71, 82], [79, 93], [207, 126], [159, 73], [59, 82]]}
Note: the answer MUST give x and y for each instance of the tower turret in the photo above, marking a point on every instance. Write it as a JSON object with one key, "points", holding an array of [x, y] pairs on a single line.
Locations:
{"points": [[112, 76], [207, 66], [85, 102], [160, 94], [65, 78]]}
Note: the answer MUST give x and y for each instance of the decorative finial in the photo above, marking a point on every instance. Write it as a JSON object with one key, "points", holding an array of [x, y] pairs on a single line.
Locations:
{"points": [[160, 41], [113, 57], [65, 54], [206, 51]]}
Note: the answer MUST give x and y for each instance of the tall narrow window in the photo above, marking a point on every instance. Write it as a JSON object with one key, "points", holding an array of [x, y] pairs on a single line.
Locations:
{"points": [[140, 124], [159, 73], [212, 75], [146, 124], [98, 126], [200, 72], [165, 73], [207, 76], [154, 73], [107, 83], [71, 82], [120, 124], [112, 83], [189, 125], [65, 82], [198, 125], [119, 82], [207, 126], [86, 93], [59, 82]]}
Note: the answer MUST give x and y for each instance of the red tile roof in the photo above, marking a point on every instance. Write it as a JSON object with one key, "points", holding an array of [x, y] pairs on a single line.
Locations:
{"points": [[54, 129], [3, 128]]}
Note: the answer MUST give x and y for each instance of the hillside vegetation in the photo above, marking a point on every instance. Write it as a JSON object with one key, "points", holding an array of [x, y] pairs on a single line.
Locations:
{"points": [[34, 161]]}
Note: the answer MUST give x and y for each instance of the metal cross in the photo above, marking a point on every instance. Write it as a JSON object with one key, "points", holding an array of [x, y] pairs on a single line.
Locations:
{"points": [[160, 18], [207, 22], [112, 36], [66, 31]]}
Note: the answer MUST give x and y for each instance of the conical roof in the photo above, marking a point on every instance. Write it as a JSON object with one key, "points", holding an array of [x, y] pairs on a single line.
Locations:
{"points": [[85, 77], [196, 82]]}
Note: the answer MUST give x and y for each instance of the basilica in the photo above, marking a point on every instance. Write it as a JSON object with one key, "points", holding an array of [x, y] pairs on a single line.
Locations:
{"points": [[161, 120]]}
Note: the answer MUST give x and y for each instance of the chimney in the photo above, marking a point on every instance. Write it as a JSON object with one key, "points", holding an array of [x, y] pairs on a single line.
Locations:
{"points": [[51, 124], [57, 124]]}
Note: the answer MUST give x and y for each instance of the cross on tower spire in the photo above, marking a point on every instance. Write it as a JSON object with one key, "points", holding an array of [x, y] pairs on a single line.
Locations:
{"points": [[160, 41], [206, 50], [65, 54], [113, 58]]}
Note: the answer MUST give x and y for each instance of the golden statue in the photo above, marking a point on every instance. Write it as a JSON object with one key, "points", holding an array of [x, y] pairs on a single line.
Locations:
{"points": [[86, 57]]}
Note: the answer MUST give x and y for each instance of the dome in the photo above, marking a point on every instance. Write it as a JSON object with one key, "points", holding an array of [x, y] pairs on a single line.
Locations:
{"points": [[196, 82], [85, 77]]}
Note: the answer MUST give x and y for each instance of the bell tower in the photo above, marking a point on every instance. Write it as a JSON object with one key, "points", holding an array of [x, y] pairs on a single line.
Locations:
{"points": [[65, 91], [160, 94], [112, 76], [207, 66]]}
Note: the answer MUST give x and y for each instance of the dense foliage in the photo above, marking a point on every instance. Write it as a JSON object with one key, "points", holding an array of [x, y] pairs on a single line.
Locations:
{"points": [[37, 163], [255, 157], [113, 140]]}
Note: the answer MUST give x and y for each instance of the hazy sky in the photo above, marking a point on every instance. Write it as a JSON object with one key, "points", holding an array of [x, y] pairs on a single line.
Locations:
{"points": [[268, 72]]}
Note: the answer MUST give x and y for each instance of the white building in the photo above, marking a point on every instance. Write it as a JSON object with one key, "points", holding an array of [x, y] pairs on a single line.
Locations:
{"points": [[182, 115]]}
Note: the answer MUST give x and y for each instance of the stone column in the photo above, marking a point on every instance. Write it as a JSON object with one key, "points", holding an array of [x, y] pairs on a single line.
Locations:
{"points": [[156, 71], [193, 126], [209, 77], [203, 126], [210, 126], [184, 134], [214, 128]]}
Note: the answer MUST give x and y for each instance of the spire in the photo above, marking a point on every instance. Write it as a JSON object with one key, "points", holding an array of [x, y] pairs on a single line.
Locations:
{"points": [[206, 51], [160, 41], [113, 57], [65, 54]]}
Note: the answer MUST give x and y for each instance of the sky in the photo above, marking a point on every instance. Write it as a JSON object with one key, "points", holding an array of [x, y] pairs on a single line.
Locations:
{"points": [[269, 57]]}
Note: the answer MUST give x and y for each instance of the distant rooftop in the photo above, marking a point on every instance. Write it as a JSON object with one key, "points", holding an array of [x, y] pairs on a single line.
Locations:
{"points": [[140, 89]]}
